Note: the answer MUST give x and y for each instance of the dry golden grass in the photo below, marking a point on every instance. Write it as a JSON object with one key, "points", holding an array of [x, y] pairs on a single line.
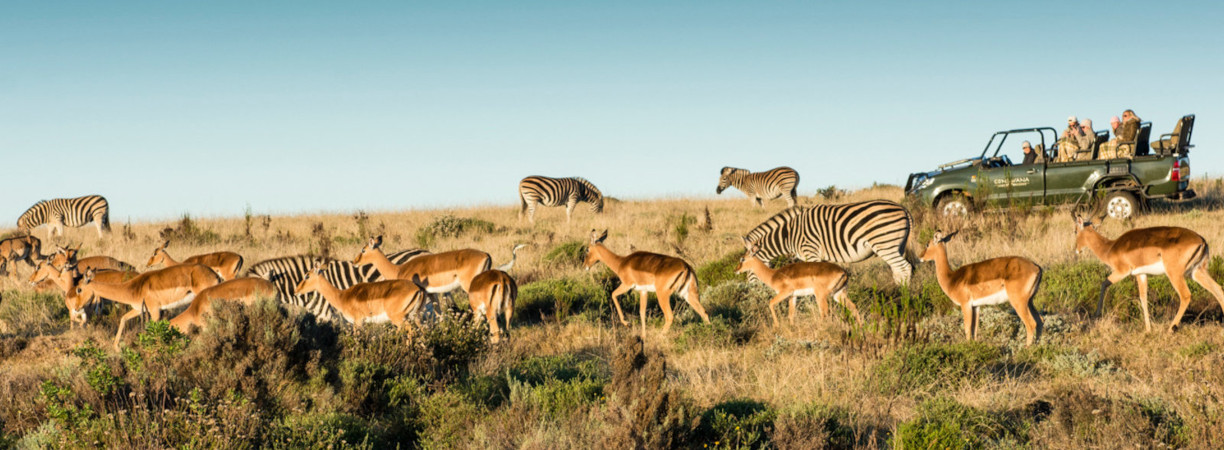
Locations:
{"points": [[828, 363]]}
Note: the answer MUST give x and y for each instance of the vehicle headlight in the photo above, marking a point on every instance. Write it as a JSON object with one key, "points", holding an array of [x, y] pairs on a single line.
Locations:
{"points": [[925, 183]]}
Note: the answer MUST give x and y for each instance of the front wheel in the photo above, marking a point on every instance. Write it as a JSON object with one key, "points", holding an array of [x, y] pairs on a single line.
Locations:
{"points": [[954, 206], [1121, 205]]}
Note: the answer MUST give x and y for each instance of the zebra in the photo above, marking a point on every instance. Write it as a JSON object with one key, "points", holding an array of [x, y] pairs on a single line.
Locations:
{"points": [[286, 272], [73, 212], [845, 233], [546, 191], [767, 185]]}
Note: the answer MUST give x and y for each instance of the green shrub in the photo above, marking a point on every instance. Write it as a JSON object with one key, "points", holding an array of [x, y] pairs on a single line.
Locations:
{"points": [[335, 431], [448, 226], [1197, 350], [187, 232], [1054, 360], [560, 297], [944, 423], [98, 371], [736, 424], [814, 426], [27, 313], [935, 365], [721, 270], [566, 254], [736, 301]]}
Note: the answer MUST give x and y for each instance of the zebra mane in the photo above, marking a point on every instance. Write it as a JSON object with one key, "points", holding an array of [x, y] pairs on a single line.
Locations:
{"points": [[590, 186], [772, 225]]}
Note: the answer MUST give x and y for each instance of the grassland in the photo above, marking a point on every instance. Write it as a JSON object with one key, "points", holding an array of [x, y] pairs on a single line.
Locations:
{"points": [[572, 377]]}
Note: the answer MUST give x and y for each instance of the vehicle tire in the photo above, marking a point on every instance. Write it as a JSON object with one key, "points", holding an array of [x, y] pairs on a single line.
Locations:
{"points": [[1121, 205], [954, 206]]}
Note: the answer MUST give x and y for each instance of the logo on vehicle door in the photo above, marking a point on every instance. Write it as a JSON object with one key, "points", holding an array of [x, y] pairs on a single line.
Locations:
{"points": [[1005, 182]]}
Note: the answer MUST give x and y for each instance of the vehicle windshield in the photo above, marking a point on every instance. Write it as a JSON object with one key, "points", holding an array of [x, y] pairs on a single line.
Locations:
{"points": [[1009, 145]]}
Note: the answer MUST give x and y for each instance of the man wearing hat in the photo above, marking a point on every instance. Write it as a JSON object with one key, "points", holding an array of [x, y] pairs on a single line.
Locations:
{"points": [[1069, 142]]}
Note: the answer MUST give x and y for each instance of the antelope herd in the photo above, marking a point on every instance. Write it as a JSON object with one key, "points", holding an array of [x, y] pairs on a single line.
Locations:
{"points": [[401, 287]]}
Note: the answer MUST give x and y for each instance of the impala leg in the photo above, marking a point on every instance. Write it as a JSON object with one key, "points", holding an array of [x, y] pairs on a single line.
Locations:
{"points": [[642, 297], [123, 324], [664, 298], [693, 298], [569, 208], [1141, 282], [967, 312], [494, 330], [977, 320], [1105, 287], [1183, 292], [531, 212], [620, 290], [822, 300], [844, 299], [774, 302], [1022, 302], [1204, 279], [793, 304]]}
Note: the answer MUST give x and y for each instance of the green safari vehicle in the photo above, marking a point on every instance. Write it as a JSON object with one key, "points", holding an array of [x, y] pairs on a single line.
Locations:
{"points": [[1121, 186]]}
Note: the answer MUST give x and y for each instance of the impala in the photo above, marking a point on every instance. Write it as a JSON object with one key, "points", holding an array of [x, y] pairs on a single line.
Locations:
{"points": [[67, 280], [244, 290], [493, 292], [68, 255], [1009, 279], [152, 291], [441, 272], [819, 279], [1171, 251], [647, 272], [381, 301], [226, 264]]}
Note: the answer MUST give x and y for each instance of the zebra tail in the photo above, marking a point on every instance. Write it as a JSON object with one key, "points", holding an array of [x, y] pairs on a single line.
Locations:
{"points": [[106, 222], [522, 204]]}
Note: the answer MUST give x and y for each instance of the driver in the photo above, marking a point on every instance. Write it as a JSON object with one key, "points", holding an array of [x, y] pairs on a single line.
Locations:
{"points": [[1030, 155]]}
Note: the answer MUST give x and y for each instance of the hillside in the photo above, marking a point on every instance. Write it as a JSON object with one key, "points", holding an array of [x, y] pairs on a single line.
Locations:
{"points": [[571, 376]]}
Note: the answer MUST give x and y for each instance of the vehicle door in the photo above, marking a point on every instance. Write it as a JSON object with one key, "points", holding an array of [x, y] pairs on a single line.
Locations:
{"points": [[1006, 183]]}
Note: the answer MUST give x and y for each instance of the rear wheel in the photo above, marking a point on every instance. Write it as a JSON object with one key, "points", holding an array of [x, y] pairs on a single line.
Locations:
{"points": [[1121, 205], [954, 206]]}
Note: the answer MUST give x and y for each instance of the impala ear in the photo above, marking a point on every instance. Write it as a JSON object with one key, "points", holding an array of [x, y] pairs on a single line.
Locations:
{"points": [[949, 237], [377, 241], [165, 244]]}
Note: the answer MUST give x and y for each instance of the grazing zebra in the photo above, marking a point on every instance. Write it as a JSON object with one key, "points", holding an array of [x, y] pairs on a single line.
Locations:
{"points": [[767, 185], [73, 212], [546, 191], [845, 233], [286, 272]]}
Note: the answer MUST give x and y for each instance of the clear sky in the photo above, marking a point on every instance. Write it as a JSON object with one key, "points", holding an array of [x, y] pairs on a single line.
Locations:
{"points": [[207, 107]]}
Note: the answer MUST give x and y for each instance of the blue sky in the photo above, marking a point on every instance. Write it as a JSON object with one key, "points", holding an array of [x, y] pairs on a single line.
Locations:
{"points": [[205, 108]]}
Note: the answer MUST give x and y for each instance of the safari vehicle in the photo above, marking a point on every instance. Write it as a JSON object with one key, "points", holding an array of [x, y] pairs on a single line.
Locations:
{"points": [[1121, 186]]}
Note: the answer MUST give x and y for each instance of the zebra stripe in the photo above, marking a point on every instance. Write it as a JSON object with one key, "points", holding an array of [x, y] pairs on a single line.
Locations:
{"points": [[767, 185], [286, 272], [538, 190], [73, 212], [843, 234]]}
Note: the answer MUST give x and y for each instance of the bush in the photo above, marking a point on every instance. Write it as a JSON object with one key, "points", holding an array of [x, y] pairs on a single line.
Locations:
{"points": [[567, 254], [815, 426], [644, 410], [737, 301], [28, 314], [187, 232], [935, 365], [736, 424], [721, 270], [944, 423], [560, 297], [1080, 418], [448, 226]]}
